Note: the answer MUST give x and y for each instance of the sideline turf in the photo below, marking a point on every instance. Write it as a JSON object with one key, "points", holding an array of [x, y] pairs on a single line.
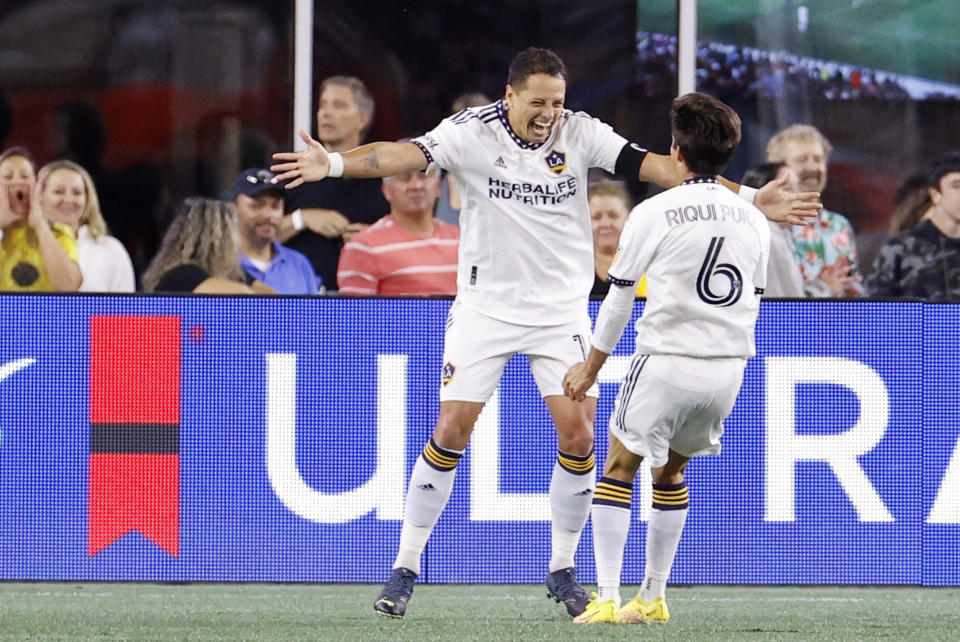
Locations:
{"points": [[39, 611]]}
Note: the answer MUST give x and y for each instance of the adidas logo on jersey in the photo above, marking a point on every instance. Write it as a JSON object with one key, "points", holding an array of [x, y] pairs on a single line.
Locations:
{"points": [[499, 163], [427, 487]]}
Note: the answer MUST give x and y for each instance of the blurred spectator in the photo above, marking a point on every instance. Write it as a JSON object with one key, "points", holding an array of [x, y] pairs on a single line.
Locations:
{"points": [[35, 254], [826, 247], [911, 203], [609, 204], [259, 199], [68, 196], [923, 261], [448, 207], [784, 278], [332, 212], [408, 251], [199, 253]]}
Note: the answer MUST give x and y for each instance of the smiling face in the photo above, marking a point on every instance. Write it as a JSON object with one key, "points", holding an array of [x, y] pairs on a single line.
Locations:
{"points": [[258, 217], [64, 198], [808, 160], [535, 106]]}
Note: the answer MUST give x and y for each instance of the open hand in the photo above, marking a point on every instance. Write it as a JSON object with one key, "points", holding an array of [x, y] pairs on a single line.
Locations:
{"points": [[312, 164], [781, 205]]}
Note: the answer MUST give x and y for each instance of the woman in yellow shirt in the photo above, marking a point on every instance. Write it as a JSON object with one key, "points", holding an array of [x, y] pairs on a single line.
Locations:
{"points": [[35, 254]]}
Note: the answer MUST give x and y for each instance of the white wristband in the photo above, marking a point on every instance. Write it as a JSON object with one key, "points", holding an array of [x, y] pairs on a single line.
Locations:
{"points": [[296, 217], [747, 193], [336, 164]]}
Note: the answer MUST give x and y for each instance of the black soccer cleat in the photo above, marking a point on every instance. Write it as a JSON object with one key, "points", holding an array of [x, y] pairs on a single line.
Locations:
{"points": [[562, 586], [392, 601]]}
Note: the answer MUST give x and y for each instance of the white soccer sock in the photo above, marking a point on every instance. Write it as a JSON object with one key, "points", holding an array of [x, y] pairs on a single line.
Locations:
{"points": [[571, 491], [431, 483], [663, 537], [611, 524]]}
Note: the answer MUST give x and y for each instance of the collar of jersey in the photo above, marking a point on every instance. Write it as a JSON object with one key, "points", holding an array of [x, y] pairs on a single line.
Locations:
{"points": [[701, 179], [502, 114]]}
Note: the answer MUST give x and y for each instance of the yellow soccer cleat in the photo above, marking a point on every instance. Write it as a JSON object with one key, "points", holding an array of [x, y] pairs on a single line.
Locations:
{"points": [[598, 612], [636, 610]]}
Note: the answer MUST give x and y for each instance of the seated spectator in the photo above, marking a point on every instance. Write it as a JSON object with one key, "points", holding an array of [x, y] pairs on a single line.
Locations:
{"points": [[448, 207], [408, 251], [259, 199], [35, 254], [68, 196], [199, 253], [609, 204], [326, 214], [784, 278], [911, 203], [923, 261], [826, 248]]}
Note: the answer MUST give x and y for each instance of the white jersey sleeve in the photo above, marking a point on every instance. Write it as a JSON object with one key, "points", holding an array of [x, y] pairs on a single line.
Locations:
{"points": [[604, 144], [443, 145]]}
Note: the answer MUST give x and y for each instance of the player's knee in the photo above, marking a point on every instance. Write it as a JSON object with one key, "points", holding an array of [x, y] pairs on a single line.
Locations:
{"points": [[667, 476], [579, 442]]}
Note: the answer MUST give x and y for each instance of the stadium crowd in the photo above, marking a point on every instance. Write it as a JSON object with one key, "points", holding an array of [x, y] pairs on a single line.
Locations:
{"points": [[747, 72], [398, 235]]}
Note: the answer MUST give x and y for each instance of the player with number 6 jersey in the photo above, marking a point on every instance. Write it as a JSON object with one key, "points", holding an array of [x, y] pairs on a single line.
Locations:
{"points": [[698, 245], [704, 252]]}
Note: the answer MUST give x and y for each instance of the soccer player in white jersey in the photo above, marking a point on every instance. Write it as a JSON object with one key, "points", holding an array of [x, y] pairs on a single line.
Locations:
{"points": [[526, 263], [704, 252]]}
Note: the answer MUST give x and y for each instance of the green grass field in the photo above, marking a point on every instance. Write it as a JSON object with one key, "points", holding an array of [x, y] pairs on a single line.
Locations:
{"points": [[115, 611]]}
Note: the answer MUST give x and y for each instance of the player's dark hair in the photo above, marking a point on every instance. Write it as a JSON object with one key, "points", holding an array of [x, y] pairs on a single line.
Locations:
{"points": [[759, 175], [706, 131], [534, 60], [946, 163]]}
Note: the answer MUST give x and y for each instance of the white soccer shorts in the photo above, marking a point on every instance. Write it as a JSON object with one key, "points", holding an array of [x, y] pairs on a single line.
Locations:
{"points": [[671, 402], [476, 349]]}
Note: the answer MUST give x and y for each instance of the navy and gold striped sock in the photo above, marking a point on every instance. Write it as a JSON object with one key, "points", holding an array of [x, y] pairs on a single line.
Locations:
{"points": [[428, 492], [671, 496], [440, 458], [576, 464], [612, 492]]}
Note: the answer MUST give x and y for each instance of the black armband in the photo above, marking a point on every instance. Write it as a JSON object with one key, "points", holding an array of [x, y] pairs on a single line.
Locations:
{"points": [[629, 161]]}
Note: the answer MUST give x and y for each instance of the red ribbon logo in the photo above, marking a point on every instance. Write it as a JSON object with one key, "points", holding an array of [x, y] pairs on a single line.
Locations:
{"points": [[134, 430]]}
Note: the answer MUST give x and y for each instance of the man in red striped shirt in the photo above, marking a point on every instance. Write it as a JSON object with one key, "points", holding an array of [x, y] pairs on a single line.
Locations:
{"points": [[408, 251]]}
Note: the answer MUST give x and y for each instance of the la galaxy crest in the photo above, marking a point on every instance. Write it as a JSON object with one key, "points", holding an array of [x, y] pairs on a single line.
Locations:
{"points": [[446, 376], [556, 161]]}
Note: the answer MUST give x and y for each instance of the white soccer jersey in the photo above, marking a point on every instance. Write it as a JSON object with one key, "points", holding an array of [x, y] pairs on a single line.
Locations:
{"points": [[704, 251], [526, 245]]}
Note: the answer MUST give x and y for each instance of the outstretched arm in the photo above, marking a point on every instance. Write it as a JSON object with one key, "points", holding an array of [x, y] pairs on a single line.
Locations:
{"points": [[773, 199], [367, 161]]}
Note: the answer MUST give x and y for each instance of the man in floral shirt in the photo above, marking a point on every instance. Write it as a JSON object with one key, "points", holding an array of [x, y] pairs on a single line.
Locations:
{"points": [[826, 248]]}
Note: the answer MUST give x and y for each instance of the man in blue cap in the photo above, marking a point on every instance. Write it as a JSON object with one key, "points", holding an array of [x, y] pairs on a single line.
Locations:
{"points": [[259, 201]]}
